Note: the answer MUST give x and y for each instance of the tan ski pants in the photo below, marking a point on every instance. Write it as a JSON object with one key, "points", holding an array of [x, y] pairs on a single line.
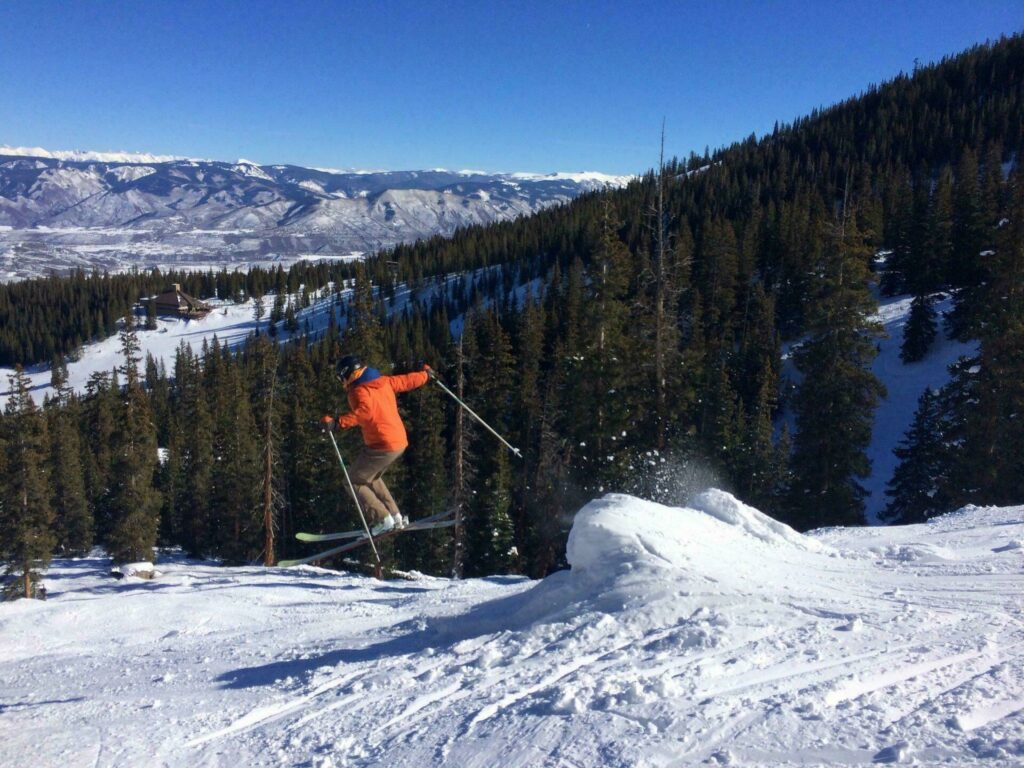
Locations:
{"points": [[373, 495]]}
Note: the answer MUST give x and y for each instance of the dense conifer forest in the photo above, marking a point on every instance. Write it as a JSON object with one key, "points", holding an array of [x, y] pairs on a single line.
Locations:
{"points": [[615, 340]]}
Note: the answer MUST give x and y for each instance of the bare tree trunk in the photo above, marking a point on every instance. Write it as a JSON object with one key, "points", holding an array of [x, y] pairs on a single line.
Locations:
{"points": [[27, 564], [660, 353], [268, 498], [268, 474], [458, 470]]}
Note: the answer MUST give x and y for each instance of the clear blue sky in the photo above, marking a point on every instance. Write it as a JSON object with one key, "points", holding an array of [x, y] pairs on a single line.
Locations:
{"points": [[500, 86]]}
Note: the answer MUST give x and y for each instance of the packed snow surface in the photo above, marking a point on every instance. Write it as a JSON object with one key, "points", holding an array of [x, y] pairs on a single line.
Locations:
{"points": [[707, 634]]}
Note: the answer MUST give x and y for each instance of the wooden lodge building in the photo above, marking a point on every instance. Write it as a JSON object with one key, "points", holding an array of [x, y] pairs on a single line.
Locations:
{"points": [[177, 303]]}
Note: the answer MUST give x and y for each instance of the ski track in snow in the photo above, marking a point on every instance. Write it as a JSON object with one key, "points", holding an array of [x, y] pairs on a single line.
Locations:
{"points": [[682, 636]]}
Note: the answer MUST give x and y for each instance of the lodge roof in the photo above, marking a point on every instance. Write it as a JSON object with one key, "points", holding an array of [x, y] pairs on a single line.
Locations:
{"points": [[175, 300]]}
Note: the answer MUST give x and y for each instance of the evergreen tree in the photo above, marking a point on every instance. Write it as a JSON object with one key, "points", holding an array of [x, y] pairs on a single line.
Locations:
{"points": [[601, 408], [426, 483], [920, 330], [233, 496], [994, 421], [197, 464], [306, 458], [915, 490], [834, 404], [490, 530], [98, 426], [73, 524], [462, 471], [757, 464], [969, 233], [134, 501], [365, 335], [264, 367], [26, 514]]}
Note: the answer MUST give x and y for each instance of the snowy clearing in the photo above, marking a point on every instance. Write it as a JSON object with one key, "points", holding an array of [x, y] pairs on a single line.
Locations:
{"points": [[708, 634]]}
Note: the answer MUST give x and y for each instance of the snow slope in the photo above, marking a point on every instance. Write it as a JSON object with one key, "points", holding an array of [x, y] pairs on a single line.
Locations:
{"points": [[707, 634], [905, 384], [230, 323]]}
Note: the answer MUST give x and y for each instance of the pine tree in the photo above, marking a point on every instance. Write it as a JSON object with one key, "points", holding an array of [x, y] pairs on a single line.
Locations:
{"points": [[426, 484], [198, 465], [931, 262], [365, 334], [99, 424], [134, 501], [900, 236], [73, 522], [835, 402], [266, 412], [657, 316], [994, 420], [601, 412], [462, 472], [968, 234], [26, 514], [306, 458], [915, 490], [236, 476], [490, 529], [551, 491], [920, 330], [757, 465]]}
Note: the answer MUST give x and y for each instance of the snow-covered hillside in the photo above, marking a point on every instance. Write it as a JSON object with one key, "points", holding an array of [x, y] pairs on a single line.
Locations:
{"points": [[231, 324], [904, 383], [116, 211], [707, 634]]}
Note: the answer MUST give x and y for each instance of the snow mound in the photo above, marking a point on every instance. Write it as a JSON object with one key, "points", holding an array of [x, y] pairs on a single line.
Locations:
{"points": [[730, 510], [620, 534]]}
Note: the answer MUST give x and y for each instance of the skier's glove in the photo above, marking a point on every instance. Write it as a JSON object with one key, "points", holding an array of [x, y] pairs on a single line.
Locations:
{"points": [[429, 371], [328, 424]]}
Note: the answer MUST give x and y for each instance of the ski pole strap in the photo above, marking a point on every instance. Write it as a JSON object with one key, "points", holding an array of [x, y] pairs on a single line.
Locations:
{"points": [[475, 416]]}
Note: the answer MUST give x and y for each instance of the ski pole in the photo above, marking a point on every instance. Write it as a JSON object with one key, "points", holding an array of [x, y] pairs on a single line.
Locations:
{"points": [[359, 507], [473, 414]]}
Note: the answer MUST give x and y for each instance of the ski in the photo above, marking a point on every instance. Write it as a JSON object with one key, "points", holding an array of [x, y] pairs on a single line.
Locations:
{"points": [[302, 536], [364, 539]]}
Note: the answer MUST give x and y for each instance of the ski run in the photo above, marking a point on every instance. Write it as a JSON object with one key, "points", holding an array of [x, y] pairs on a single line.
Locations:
{"points": [[704, 634]]}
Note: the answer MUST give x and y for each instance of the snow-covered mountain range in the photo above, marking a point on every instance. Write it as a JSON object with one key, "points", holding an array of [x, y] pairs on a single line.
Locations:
{"points": [[60, 210]]}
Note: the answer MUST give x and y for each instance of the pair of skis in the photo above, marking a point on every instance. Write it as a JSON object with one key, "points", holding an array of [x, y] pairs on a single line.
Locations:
{"points": [[359, 538]]}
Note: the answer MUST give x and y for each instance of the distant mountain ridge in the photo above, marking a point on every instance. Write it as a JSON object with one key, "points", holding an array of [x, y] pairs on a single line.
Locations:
{"points": [[60, 210]]}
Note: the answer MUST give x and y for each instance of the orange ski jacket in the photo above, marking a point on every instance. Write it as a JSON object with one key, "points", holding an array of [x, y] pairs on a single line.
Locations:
{"points": [[375, 409]]}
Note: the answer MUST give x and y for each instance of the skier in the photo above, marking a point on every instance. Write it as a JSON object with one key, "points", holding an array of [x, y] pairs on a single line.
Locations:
{"points": [[371, 398]]}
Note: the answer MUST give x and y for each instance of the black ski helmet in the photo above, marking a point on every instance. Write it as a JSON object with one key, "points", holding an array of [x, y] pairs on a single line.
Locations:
{"points": [[348, 365]]}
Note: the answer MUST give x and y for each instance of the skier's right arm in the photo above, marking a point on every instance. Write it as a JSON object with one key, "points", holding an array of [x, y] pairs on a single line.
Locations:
{"points": [[360, 411]]}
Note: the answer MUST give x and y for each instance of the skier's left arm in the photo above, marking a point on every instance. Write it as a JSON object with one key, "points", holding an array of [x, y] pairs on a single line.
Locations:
{"points": [[407, 381]]}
